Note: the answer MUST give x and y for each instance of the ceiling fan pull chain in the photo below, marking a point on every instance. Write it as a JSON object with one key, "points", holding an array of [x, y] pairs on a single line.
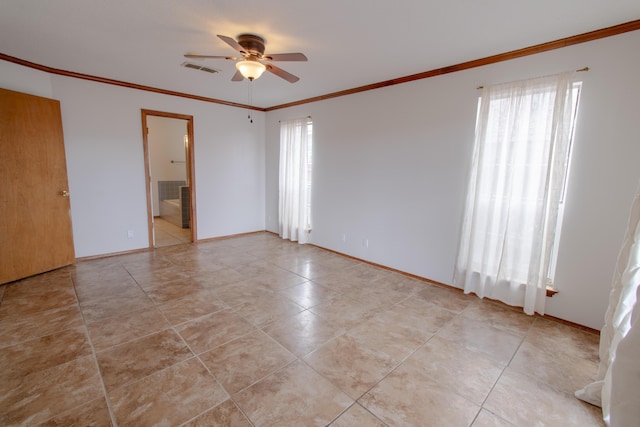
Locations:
{"points": [[250, 100]]}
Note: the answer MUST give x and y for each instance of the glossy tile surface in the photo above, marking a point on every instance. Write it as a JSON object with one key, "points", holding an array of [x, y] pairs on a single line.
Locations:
{"points": [[242, 362], [254, 330], [294, 395]]}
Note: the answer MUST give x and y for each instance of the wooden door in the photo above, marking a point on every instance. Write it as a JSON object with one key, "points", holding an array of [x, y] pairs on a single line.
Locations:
{"points": [[35, 212]]}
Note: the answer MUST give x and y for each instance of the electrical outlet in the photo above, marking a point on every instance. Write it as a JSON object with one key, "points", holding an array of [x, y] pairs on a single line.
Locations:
{"points": [[344, 237], [130, 234], [365, 243]]}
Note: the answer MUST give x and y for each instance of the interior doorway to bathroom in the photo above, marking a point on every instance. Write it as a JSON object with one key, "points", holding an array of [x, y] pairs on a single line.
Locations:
{"points": [[170, 177]]}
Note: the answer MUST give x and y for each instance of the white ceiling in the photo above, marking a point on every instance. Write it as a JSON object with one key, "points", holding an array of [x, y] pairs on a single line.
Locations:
{"points": [[349, 43]]}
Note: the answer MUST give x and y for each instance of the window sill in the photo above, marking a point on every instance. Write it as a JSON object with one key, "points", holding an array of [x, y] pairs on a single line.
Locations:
{"points": [[551, 292]]}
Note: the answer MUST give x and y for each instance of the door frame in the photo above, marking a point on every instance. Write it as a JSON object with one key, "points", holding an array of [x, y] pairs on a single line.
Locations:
{"points": [[190, 169]]}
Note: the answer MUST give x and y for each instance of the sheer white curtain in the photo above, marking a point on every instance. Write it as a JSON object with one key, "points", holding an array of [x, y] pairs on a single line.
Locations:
{"points": [[520, 160], [618, 378], [294, 207]]}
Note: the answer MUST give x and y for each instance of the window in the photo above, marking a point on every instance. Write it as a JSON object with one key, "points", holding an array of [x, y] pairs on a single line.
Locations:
{"points": [[296, 158], [516, 190]]}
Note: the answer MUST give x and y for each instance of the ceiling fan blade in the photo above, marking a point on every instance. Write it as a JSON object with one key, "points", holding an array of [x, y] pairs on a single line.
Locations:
{"points": [[282, 73], [237, 77], [286, 57], [231, 42], [197, 56]]}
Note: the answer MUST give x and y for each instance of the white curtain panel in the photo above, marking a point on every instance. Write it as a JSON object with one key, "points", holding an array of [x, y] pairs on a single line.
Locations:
{"points": [[294, 184], [518, 170], [617, 383]]}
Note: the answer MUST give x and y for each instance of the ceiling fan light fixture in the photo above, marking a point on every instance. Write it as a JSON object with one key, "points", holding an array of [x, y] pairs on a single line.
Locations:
{"points": [[250, 69]]}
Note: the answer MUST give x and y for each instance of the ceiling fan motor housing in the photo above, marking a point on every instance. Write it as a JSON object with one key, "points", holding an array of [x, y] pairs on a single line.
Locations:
{"points": [[252, 44]]}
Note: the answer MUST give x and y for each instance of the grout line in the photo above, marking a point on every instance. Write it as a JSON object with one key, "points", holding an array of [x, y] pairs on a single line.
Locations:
{"points": [[112, 414]]}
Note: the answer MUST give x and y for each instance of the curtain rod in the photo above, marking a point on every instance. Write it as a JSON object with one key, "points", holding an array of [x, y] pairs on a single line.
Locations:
{"points": [[577, 71], [308, 117]]}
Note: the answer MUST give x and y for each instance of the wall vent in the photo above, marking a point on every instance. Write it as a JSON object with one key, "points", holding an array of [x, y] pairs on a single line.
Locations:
{"points": [[200, 67]]}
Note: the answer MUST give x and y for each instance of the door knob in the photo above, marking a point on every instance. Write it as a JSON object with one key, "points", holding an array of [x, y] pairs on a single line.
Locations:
{"points": [[64, 193]]}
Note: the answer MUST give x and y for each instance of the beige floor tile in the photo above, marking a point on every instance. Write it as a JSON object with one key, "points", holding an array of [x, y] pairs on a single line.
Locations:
{"points": [[49, 284], [308, 294], [471, 374], [167, 233], [351, 366], [554, 337], [419, 313], [376, 297], [313, 270], [51, 376], [169, 291], [396, 340], [43, 353], [246, 291], [137, 359], [88, 272], [164, 239], [23, 327], [145, 262], [446, 298], [294, 395], [400, 282], [277, 279], [116, 305], [210, 331], [408, 397], [37, 396], [219, 278], [498, 344], [195, 264], [506, 318], [344, 312], [369, 272], [289, 261], [267, 309], [94, 414], [257, 268], [234, 258], [223, 415], [155, 277], [192, 306], [302, 333], [356, 416], [105, 288], [127, 327], [168, 397], [242, 362], [201, 268], [520, 399], [335, 261], [488, 419], [562, 370], [18, 303], [343, 281]]}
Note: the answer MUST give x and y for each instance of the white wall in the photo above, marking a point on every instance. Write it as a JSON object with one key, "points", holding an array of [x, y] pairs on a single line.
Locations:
{"points": [[390, 166], [167, 154], [105, 164], [26, 80]]}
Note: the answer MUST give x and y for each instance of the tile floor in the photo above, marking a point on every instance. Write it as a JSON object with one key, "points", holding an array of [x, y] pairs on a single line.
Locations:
{"points": [[167, 234], [254, 330]]}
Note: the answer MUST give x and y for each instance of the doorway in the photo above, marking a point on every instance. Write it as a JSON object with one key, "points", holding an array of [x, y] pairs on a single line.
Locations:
{"points": [[170, 177]]}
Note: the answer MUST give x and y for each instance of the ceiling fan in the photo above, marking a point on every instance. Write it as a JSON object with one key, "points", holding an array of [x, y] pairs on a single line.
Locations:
{"points": [[254, 61]]}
